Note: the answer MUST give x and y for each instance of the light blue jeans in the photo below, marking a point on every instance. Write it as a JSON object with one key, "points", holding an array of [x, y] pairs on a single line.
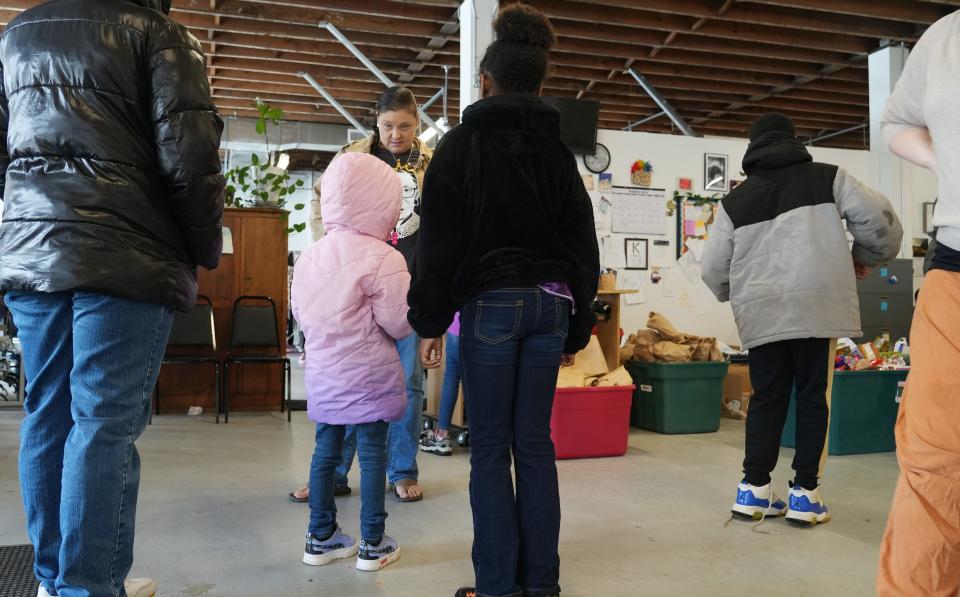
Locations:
{"points": [[91, 363], [403, 439]]}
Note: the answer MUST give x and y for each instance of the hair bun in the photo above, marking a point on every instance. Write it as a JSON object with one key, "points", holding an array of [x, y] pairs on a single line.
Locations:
{"points": [[523, 24]]}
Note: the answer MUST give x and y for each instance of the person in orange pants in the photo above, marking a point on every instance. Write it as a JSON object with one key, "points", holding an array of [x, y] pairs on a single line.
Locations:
{"points": [[920, 554]]}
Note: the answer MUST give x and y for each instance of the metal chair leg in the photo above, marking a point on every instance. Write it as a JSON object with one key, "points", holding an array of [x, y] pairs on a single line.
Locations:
{"points": [[283, 386], [226, 393], [217, 400], [289, 390]]}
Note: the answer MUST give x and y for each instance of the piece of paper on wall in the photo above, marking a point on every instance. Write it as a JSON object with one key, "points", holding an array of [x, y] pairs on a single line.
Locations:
{"points": [[606, 181], [696, 246], [588, 182], [639, 211], [227, 241], [690, 268], [666, 283], [702, 299], [662, 255], [601, 214], [633, 281], [614, 255]]}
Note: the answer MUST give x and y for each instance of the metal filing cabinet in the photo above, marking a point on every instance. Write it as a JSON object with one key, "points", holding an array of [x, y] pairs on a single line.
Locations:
{"points": [[886, 301]]}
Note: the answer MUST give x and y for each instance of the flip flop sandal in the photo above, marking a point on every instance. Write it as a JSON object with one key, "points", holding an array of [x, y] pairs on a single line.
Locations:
{"points": [[406, 500], [297, 500]]}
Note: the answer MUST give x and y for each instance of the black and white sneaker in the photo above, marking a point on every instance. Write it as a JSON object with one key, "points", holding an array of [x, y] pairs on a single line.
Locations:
{"points": [[431, 444], [376, 557], [339, 546]]}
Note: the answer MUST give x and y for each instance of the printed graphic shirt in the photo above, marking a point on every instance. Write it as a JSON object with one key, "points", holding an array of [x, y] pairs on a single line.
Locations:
{"points": [[409, 224]]}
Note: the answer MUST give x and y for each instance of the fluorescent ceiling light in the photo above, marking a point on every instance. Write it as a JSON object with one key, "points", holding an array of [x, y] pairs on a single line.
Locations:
{"points": [[431, 132]]}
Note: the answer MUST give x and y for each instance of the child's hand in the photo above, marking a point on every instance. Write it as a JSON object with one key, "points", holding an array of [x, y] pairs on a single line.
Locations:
{"points": [[861, 270], [431, 352]]}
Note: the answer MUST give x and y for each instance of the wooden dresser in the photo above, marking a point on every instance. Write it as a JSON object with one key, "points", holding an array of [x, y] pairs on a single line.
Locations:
{"points": [[256, 266]]}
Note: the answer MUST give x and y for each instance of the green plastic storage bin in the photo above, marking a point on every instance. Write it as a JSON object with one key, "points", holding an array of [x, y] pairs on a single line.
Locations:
{"points": [[863, 412], [678, 397]]}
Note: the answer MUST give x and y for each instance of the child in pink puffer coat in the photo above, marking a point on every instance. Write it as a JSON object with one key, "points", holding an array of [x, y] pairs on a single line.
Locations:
{"points": [[350, 296]]}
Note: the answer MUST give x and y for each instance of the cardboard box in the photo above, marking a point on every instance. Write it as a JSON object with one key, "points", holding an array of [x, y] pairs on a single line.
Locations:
{"points": [[737, 382]]}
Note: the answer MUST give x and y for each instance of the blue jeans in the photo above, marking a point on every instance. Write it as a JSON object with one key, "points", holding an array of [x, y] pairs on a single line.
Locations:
{"points": [[451, 382], [403, 440], [91, 363], [372, 444], [511, 342]]}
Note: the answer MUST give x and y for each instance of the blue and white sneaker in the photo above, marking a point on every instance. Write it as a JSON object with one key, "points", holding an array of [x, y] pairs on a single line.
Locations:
{"points": [[339, 546], [375, 557], [757, 503], [807, 507]]}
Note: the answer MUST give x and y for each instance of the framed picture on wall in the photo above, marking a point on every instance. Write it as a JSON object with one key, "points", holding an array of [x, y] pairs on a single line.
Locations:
{"points": [[928, 218], [636, 250], [715, 175]]}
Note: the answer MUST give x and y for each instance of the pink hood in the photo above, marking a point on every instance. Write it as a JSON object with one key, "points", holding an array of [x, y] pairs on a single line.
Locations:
{"points": [[350, 296], [362, 194]]}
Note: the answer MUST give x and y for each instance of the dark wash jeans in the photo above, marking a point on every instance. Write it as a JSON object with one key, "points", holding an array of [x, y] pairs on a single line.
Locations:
{"points": [[511, 342]]}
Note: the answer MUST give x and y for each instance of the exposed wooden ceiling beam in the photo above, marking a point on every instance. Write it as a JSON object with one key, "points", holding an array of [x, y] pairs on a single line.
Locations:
{"points": [[895, 10], [786, 15]]}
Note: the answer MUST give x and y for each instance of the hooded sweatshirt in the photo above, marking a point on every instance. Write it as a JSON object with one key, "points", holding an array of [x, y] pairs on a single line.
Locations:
{"points": [[349, 295], [504, 207], [778, 250]]}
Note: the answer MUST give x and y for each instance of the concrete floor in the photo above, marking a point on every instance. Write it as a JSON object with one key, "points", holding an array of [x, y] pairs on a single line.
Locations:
{"points": [[214, 520]]}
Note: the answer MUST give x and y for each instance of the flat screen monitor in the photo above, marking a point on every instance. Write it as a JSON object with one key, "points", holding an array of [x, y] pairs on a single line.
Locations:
{"points": [[578, 123]]}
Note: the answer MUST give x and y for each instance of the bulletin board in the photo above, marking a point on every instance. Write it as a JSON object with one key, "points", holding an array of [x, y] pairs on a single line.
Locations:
{"points": [[695, 215]]}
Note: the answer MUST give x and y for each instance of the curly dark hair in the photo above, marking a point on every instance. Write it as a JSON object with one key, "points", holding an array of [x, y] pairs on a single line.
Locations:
{"points": [[518, 60]]}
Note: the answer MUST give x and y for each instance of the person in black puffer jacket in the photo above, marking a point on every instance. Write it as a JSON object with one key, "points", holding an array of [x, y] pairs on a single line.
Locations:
{"points": [[507, 238], [113, 196]]}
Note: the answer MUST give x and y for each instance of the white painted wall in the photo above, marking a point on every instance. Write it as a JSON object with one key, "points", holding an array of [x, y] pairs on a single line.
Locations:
{"points": [[673, 157]]}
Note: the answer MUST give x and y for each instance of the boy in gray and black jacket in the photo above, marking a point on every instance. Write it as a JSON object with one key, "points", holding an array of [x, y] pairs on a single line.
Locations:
{"points": [[779, 253]]}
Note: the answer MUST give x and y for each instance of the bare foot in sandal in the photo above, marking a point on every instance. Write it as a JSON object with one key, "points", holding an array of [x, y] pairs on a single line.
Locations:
{"points": [[409, 490]]}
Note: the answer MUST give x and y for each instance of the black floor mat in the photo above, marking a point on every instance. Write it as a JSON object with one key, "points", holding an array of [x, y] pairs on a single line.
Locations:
{"points": [[16, 571]]}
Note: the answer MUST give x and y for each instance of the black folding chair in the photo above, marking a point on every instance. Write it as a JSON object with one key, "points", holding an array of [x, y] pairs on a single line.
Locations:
{"points": [[194, 340], [255, 326]]}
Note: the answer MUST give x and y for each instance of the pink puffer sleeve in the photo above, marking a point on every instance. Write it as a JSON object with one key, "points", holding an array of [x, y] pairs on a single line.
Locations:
{"points": [[389, 295]]}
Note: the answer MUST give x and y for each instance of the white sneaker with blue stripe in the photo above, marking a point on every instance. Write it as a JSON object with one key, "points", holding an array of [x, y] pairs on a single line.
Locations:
{"points": [[807, 507], [757, 503]]}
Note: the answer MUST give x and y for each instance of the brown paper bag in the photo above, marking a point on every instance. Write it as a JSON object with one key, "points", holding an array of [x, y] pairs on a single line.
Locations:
{"points": [[618, 377], [570, 377], [716, 355], [704, 349], [671, 352], [591, 361], [666, 330]]}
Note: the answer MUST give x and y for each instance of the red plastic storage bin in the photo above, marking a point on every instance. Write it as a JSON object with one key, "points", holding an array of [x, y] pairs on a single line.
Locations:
{"points": [[591, 422]]}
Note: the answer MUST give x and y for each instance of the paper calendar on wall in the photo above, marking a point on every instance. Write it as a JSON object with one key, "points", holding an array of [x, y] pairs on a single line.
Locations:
{"points": [[639, 211]]}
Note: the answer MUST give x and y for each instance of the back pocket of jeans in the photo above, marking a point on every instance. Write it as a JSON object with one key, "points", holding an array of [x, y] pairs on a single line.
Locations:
{"points": [[562, 325], [498, 322]]}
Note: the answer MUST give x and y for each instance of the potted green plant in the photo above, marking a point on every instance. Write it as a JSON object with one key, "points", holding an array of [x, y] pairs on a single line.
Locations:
{"points": [[260, 183]]}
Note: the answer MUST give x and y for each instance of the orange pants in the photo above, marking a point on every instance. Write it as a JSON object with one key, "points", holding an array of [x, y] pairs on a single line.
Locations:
{"points": [[920, 554]]}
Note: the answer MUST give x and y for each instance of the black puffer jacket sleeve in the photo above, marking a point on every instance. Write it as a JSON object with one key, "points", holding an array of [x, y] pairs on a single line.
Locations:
{"points": [[187, 129], [4, 122]]}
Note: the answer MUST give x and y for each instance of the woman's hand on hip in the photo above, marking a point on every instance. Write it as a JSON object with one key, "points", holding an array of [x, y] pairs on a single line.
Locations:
{"points": [[568, 360]]}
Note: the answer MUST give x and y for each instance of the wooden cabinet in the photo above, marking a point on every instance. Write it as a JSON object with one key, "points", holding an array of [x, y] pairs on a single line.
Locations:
{"points": [[257, 266]]}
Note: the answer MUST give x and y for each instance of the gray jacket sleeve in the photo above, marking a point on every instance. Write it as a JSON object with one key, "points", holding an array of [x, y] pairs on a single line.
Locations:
{"points": [[718, 255], [871, 219]]}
